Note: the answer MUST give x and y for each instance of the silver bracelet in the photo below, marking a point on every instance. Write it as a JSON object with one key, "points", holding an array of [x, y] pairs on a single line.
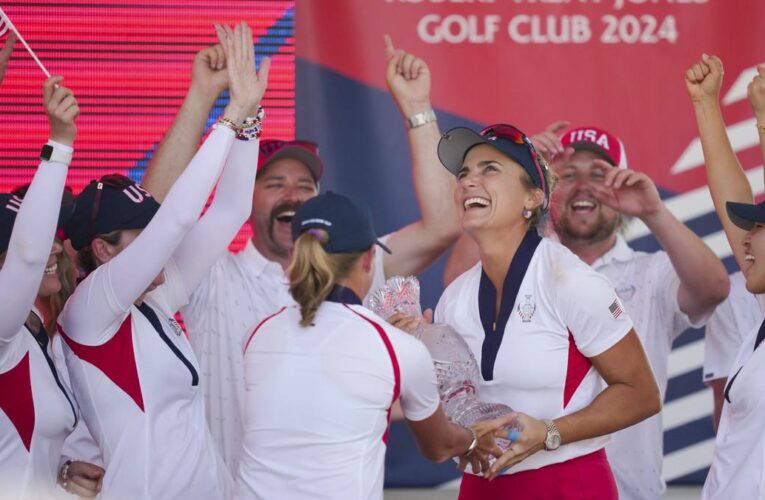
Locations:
{"points": [[473, 443], [420, 119]]}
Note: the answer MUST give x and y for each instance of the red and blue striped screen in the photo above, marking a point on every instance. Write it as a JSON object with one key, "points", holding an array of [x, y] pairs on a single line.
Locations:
{"points": [[129, 64]]}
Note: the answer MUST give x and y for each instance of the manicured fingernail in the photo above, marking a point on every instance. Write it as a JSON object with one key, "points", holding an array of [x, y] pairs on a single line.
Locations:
{"points": [[512, 435]]}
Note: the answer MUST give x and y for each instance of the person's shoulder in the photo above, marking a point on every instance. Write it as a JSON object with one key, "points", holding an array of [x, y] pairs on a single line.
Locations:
{"points": [[372, 319], [464, 282], [560, 261], [564, 272], [647, 260]]}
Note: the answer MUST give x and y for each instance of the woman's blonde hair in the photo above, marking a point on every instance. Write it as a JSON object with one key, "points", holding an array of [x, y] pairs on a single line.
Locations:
{"points": [[57, 300], [314, 272]]}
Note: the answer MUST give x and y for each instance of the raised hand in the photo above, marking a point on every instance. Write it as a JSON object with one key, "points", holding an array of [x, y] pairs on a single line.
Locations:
{"points": [[626, 191], [547, 142], [209, 74], [5, 54], [408, 80], [245, 85], [704, 79], [756, 93], [62, 110]]}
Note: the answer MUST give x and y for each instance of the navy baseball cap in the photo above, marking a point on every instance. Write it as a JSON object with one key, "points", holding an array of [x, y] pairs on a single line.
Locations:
{"points": [[746, 215], [10, 203], [349, 224], [108, 204], [507, 139]]}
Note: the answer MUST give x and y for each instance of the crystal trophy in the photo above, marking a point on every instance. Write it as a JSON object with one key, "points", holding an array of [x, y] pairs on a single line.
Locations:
{"points": [[456, 368]]}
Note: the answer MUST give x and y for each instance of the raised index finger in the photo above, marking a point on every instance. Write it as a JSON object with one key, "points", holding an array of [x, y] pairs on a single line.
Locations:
{"points": [[389, 49]]}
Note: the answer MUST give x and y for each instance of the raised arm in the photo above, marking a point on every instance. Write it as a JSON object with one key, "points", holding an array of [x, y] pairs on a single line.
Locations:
{"points": [[417, 245], [726, 178], [210, 237], [5, 54], [703, 279], [126, 277], [208, 79], [756, 93], [30, 244]]}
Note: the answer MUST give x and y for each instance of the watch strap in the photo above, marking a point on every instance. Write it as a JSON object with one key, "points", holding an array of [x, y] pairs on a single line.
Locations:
{"points": [[420, 119], [552, 430]]}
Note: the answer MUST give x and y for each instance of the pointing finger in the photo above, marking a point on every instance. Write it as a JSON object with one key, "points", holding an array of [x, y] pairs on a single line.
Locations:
{"points": [[389, 49]]}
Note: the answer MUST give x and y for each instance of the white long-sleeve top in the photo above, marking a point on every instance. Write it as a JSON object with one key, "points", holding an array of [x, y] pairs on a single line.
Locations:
{"points": [[133, 371], [37, 411]]}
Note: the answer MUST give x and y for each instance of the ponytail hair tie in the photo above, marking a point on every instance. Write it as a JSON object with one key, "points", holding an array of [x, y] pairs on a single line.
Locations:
{"points": [[320, 235]]}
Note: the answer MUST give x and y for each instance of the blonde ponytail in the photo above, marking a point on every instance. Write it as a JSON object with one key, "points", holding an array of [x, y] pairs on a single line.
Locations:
{"points": [[314, 272]]}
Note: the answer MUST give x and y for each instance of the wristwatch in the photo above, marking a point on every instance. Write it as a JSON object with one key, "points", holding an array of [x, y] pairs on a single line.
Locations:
{"points": [[552, 441], [49, 153], [420, 119]]}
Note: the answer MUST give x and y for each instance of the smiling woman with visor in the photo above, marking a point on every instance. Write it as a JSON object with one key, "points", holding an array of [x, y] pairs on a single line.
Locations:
{"points": [[545, 328]]}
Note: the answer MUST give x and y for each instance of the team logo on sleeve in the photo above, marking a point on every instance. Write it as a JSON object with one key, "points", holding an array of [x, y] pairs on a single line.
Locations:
{"points": [[526, 309], [616, 308]]}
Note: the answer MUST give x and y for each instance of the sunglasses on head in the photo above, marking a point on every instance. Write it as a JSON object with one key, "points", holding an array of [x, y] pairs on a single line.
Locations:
{"points": [[271, 146], [509, 132], [117, 181]]}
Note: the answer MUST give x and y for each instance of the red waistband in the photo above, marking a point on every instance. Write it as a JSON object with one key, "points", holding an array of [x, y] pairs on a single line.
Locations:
{"points": [[581, 478]]}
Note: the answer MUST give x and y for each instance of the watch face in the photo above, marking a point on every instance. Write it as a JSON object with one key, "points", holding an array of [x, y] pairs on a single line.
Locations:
{"points": [[46, 152], [553, 441]]}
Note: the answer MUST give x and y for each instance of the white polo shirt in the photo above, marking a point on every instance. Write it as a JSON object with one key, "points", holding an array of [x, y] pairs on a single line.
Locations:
{"points": [[37, 413], [138, 386], [728, 327], [318, 402], [738, 466], [563, 314], [238, 293], [647, 284]]}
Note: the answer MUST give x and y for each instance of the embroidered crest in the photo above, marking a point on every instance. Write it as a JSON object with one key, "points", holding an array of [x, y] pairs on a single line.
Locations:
{"points": [[526, 309], [625, 292], [175, 326]]}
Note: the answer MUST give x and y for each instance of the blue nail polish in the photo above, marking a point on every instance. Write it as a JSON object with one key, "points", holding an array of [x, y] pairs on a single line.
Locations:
{"points": [[512, 435]]}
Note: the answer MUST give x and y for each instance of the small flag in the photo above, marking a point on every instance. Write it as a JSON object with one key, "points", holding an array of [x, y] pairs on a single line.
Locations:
{"points": [[616, 308]]}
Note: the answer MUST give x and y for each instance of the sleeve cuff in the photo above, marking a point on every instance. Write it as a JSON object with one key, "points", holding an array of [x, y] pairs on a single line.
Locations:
{"points": [[62, 147]]}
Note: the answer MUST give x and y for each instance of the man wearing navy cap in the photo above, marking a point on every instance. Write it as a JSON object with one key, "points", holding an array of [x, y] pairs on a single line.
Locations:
{"points": [[244, 288]]}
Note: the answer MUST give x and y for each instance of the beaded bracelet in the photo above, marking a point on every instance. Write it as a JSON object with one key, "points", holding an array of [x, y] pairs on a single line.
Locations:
{"points": [[252, 126], [65, 473]]}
